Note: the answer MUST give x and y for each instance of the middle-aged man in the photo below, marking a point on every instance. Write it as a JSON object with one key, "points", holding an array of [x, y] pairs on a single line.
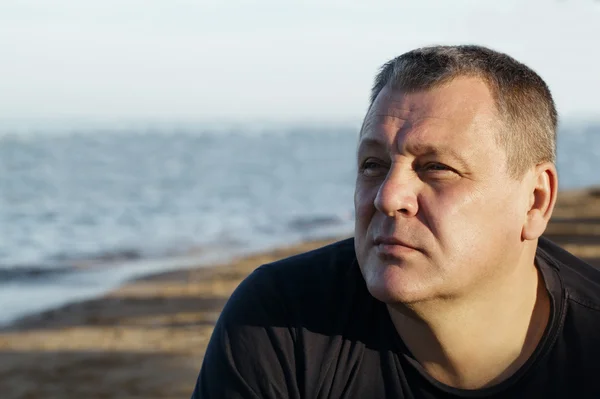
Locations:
{"points": [[447, 289]]}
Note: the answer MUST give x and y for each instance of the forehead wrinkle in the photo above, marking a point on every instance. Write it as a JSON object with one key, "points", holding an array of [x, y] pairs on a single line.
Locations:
{"points": [[400, 117], [400, 126], [444, 141], [381, 119], [408, 137], [424, 134]]}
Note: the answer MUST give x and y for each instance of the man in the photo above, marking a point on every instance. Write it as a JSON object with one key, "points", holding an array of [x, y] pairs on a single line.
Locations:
{"points": [[447, 289]]}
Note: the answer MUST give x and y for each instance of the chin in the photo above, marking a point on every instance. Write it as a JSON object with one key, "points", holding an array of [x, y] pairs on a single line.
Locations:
{"points": [[394, 284], [394, 295]]}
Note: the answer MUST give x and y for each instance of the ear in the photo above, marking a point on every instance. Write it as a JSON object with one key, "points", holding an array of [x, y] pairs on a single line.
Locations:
{"points": [[542, 199]]}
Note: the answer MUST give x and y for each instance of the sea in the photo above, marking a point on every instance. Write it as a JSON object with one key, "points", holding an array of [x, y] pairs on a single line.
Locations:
{"points": [[82, 210]]}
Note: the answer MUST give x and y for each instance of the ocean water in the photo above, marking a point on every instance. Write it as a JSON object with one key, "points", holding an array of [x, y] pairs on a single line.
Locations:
{"points": [[81, 211]]}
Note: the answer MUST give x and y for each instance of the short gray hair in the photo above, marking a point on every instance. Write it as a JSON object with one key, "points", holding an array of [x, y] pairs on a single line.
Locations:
{"points": [[523, 99]]}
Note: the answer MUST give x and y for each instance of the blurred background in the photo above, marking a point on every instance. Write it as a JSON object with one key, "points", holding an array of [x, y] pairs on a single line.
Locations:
{"points": [[136, 130], [141, 136]]}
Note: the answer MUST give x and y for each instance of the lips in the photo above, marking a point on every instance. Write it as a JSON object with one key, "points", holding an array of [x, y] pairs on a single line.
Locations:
{"points": [[392, 247], [383, 240]]}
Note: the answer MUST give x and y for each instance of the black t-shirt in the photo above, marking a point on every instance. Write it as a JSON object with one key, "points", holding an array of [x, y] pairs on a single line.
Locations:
{"points": [[307, 327]]}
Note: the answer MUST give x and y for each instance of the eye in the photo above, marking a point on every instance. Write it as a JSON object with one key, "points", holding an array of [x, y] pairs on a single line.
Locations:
{"points": [[372, 168], [370, 165], [434, 167], [436, 170]]}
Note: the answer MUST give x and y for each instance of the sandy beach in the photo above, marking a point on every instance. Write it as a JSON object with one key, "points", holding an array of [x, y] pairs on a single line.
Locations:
{"points": [[147, 338]]}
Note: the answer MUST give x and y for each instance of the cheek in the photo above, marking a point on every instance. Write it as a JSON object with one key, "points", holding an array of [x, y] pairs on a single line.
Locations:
{"points": [[466, 221], [456, 217], [364, 208]]}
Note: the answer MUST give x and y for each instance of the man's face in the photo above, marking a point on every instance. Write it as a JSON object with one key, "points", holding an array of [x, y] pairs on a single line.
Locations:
{"points": [[437, 214]]}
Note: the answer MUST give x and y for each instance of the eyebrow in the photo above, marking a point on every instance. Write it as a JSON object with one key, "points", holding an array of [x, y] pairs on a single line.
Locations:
{"points": [[367, 143]]}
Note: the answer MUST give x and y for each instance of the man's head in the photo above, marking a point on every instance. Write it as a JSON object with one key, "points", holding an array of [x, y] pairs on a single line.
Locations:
{"points": [[456, 160], [523, 101]]}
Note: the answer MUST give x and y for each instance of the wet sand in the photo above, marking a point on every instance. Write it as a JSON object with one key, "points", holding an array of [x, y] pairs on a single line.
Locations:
{"points": [[147, 338]]}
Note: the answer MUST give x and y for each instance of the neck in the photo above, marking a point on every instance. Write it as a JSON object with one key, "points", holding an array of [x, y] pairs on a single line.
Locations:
{"points": [[477, 342]]}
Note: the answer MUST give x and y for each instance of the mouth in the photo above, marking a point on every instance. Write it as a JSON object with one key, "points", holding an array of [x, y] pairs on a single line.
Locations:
{"points": [[391, 247]]}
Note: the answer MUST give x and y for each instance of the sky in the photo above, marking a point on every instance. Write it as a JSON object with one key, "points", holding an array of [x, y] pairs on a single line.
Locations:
{"points": [[271, 60]]}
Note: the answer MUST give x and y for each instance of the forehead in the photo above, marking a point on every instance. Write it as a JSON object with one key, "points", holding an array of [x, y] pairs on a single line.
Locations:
{"points": [[459, 112]]}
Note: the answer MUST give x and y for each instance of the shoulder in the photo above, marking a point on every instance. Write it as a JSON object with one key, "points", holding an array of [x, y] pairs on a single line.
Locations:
{"points": [[579, 312], [329, 262], [253, 348], [576, 286], [302, 284], [580, 280]]}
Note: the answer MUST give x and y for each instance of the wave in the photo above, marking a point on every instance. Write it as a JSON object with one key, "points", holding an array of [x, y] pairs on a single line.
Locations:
{"points": [[102, 257], [61, 264], [18, 273], [311, 223]]}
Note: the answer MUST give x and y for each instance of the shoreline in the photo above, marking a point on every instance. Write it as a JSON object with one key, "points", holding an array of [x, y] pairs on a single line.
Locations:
{"points": [[147, 337], [83, 280]]}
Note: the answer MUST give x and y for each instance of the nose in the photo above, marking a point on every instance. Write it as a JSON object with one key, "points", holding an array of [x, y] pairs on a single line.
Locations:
{"points": [[396, 195]]}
